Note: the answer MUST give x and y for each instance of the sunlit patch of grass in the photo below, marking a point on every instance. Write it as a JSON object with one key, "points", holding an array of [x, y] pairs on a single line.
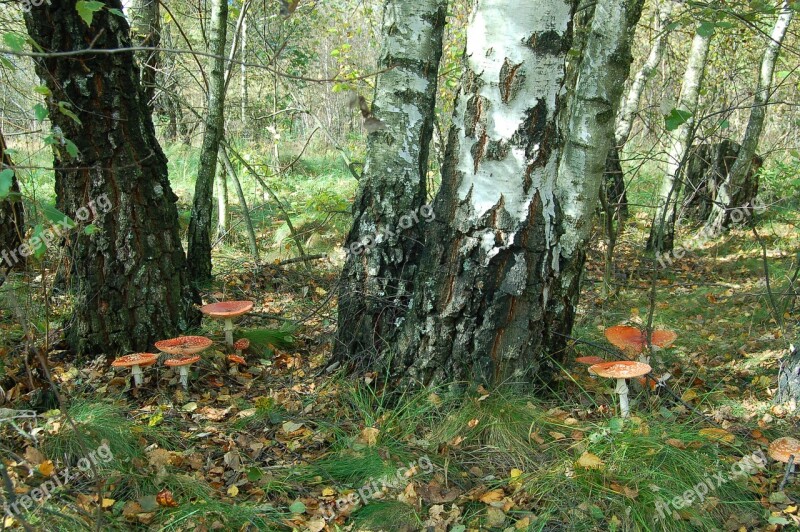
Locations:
{"points": [[212, 514], [386, 515]]}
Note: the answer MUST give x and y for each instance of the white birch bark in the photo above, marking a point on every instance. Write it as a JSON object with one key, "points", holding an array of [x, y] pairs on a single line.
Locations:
{"points": [[662, 232], [741, 167]]}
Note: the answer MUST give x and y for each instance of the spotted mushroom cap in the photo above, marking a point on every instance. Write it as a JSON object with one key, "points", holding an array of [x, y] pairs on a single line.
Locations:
{"points": [[630, 338], [236, 359], [182, 361], [136, 359], [621, 369], [241, 344], [590, 360], [184, 345], [782, 448], [226, 309]]}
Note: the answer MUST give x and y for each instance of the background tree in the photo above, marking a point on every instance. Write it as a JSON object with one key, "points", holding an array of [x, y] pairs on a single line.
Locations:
{"points": [[377, 279], [202, 209], [146, 32], [12, 217], [130, 281]]}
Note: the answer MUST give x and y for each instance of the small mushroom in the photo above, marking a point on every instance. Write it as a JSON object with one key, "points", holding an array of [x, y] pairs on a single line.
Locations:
{"points": [[184, 345], [621, 370], [136, 361], [786, 450], [227, 310], [235, 361], [183, 364], [634, 341], [240, 345]]}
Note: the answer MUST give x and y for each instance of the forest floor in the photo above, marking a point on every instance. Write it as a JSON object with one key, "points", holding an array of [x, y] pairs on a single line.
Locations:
{"points": [[285, 445]]}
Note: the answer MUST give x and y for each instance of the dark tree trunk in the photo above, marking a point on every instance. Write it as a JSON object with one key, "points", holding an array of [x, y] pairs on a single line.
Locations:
{"points": [[129, 277], [614, 181], [789, 380], [708, 167], [12, 218]]}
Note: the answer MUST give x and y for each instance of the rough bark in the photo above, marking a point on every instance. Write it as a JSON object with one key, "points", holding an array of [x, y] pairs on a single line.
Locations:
{"points": [[662, 233], [129, 278], [789, 380], [376, 282], [614, 181], [12, 217], [734, 192], [478, 312], [146, 31], [202, 208]]}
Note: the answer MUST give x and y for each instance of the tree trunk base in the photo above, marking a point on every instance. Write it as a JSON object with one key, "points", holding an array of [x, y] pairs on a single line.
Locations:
{"points": [[789, 380]]}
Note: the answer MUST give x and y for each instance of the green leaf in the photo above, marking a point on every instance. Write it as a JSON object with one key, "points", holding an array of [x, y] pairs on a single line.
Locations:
{"points": [[57, 217], [777, 520], [297, 507], [6, 180], [725, 124], [15, 41], [42, 89], [64, 109], [705, 29], [86, 10], [676, 118], [254, 474], [90, 229], [5, 63], [116, 12], [40, 248], [72, 149], [40, 112]]}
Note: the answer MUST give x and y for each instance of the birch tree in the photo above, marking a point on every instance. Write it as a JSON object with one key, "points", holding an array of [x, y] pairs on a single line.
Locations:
{"points": [[129, 275], [200, 223], [727, 195], [146, 32], [484, 308], [662, 233], [384, 243]]}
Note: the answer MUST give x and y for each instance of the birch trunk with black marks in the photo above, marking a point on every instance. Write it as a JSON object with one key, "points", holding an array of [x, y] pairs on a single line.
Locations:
{"points": [[12, 217], [146, 32], [129, 277], [588, 136], [736, 191], [202, 208], [662, 233], [376, 283], [789, 380], [490, 256]]}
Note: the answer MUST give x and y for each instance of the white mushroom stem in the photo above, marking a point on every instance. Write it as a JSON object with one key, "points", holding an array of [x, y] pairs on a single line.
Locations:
{"points": [[137, 375], [622, 390], [229, 332], [184, 372]]}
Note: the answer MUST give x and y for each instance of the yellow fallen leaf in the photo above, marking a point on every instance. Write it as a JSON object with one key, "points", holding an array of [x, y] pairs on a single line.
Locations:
{"points": [[369, 436], [328, 492], [715, 434], [473, 423], [590, 461], [108, 503], [557, 435], [689, 395], [233, 491], [492, 496], [46, 468]]}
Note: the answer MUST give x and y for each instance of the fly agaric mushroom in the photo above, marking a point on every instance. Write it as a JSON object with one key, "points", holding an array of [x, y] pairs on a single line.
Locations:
{"points": [[183, 364], [621, 370], [235, 361], [184, 345], [227, 310], [633, 340], [136, 361], [786, 450], [241, 345]]}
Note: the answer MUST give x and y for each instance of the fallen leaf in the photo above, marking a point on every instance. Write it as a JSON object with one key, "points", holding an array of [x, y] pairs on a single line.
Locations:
{"points": [[716, 434], [492, 496], [590, 461]]}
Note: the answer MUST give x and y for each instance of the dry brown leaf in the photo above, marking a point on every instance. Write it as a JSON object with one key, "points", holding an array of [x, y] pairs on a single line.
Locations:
{"points": [[492, 496], [590, 461]]}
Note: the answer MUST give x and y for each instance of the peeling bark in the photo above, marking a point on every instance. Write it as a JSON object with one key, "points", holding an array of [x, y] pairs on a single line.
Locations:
{"points": [[129, 278], [377, 281], [662, 233]]}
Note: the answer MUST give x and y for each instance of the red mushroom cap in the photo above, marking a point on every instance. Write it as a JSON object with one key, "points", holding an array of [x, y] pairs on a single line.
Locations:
{"points": [[632, 339], [236, 359], [620, 369], [136, 359], [184, 345], [241, 344], [227, 309], [590, 361], [182, 361]]}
